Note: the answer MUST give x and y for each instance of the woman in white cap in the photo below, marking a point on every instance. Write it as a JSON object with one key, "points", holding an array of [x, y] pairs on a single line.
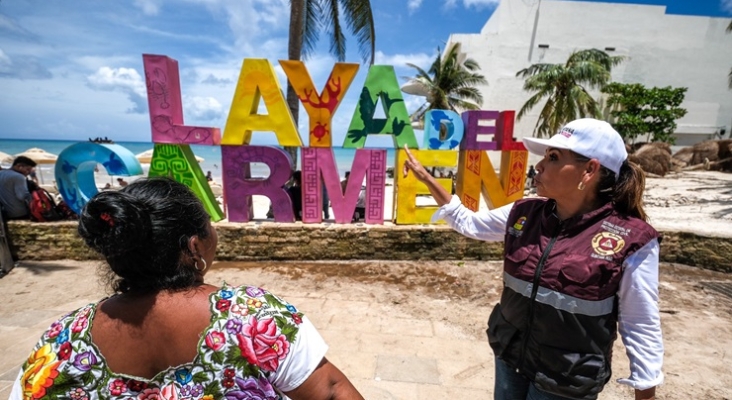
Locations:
{"points": [[580, 264]]}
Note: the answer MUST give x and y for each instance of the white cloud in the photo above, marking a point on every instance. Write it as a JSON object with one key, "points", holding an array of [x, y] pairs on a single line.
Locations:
{"points": [[727, 5], [477, 3], [483, 3], [5, 62], [413, 5], [124, 80], [202, 108], [149, 7], [400, 60]]}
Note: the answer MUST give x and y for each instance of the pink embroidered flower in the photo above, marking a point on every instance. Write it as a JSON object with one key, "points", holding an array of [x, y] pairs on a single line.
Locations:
{"points": [[117, 387], [223, 305], [215, 340], [79, 324], [229, 373], [239, 310], [262, 344], [78, 394], [150, 394], [297, 319], [169, 392], [54, 330]]}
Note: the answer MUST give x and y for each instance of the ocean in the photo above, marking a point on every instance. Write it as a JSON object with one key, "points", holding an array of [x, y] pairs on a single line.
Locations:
{"points": [[211, 157]]}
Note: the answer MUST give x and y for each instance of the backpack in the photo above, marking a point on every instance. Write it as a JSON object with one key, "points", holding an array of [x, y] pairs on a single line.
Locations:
{"points": [[42, 207]]}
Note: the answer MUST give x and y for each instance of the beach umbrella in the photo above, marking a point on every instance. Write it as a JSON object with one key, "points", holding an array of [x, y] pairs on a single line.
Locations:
{"points": [[146, 157], [40, 156], [5, 158]]}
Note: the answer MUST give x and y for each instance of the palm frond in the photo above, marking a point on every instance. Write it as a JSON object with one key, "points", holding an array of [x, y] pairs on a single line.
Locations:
{"points": [[310, 28], [332, 22], [360, 20]]}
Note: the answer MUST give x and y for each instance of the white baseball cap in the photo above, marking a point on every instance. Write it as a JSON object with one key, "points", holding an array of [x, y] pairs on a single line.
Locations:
{"points": [[588, 137]]}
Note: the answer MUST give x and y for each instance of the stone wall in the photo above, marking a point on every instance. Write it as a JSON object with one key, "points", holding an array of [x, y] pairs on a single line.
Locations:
{"points": [[275, 241]]}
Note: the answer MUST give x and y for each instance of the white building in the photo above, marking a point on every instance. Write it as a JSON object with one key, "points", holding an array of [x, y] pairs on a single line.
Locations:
{"points": [[661, 50]]}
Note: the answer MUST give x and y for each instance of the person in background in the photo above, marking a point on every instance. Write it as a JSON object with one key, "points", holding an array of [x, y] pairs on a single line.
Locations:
{"points": [[360, 211], [122, 182], [209, 178], [580, 266], [530, 176], [14, 194], [295, 192], [326, 202], [33, 177], [344, 182], [166, 333]]}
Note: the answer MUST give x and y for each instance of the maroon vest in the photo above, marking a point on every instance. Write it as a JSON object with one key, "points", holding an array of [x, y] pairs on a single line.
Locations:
{"points": [[557, 319]]}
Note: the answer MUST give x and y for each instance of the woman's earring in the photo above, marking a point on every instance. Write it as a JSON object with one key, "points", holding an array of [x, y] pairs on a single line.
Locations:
{"points": [[581, 186], [201, 270]]}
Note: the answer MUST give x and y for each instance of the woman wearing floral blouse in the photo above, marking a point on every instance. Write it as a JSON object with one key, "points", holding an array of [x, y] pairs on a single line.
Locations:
{"points": [[166, 334]]}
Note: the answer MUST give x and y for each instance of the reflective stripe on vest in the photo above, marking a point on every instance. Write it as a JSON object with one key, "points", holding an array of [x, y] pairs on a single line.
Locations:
{"points": [[561, 301]]}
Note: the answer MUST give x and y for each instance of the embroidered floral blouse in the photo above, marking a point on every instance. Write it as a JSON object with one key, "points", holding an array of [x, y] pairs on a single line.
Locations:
{"points": [[256, 347]]}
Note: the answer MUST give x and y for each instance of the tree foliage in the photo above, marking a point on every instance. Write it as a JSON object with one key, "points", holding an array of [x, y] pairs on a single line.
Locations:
{"points": [[449, 84], [308, 18], [565, 88], [637, 110]]}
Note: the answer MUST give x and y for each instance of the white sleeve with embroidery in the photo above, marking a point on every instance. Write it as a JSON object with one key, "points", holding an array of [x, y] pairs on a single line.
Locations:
{"points": [[17, 392], [489, 226], [639, 319], [304, 356]]}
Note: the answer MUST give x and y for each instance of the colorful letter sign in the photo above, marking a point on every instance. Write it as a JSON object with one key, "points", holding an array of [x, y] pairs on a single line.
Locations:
{"points": [[381, 86], [320, 106], [407, 211], [178, 162], [75, 169], [166, 107], [257, 80], [239, 186], [438, 120]]}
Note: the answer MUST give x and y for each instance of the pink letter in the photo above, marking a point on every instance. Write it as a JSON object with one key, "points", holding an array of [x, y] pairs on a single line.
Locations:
{"points": [[473, 128], [317, 162], [166, 107], [239, 186]]}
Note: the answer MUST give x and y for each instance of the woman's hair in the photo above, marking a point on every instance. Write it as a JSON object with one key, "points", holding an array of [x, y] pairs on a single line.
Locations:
{"points": [[143, 231], [626, 192]]}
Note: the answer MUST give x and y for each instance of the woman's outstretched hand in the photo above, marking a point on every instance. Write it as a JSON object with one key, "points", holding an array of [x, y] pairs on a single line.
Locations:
{"points": [[439, 193], [417, 169]]}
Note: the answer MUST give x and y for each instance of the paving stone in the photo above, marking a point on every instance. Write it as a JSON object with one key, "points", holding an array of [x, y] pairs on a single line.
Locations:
{"points": [[407, 369]]}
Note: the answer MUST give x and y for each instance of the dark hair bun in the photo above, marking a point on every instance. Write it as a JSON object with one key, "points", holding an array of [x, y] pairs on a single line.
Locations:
{"points": [[114, 223]]}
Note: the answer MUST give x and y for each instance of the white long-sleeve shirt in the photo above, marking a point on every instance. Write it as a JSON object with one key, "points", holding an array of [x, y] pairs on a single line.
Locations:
{"points": [[639, 321]]}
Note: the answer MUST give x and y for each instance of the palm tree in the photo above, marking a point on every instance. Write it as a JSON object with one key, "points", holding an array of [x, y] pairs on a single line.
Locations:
{"points": [[563, 86], [307, 17], [449, 84]]}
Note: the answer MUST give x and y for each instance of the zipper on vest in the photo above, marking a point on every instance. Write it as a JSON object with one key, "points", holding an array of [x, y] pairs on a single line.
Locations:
{"points": [[534, 291]]}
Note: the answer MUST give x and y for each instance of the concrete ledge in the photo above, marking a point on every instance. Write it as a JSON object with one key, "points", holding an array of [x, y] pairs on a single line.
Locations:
{"points": [[275, 241]]}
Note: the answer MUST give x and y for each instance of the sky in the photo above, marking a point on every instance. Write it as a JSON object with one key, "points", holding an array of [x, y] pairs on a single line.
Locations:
{"points": [[73, 70]]}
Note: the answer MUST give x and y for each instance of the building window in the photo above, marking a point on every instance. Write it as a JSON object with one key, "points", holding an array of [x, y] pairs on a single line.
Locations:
{"points": [[543, 46], [609, 48]]}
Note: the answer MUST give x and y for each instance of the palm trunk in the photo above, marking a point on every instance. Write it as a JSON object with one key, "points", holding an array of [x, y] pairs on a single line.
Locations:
{"points": [[294, 51]]}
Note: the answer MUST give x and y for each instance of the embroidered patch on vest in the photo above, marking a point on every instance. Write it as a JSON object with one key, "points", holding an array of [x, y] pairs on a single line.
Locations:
{"points": [[515, 230], [607, 244]]}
